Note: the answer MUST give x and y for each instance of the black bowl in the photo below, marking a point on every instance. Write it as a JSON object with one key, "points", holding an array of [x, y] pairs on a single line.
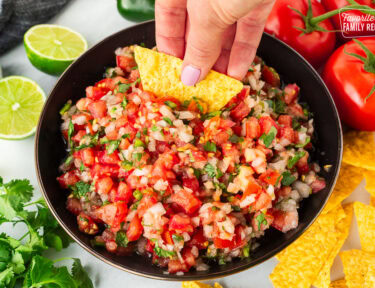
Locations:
{"points": [[89, 68]]}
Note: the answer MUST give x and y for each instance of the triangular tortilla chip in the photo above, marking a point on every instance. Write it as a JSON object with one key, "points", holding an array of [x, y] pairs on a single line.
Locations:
{"points": [[160, 74], [365, 215], [341, 283], [359, 149]]}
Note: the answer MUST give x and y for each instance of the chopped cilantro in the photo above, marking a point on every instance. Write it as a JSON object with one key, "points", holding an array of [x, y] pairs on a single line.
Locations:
{"points": [[121, 239], [124, 102], [83, 146], [66, 107], [295, 124], [137, 156], [177, 238], [80, 189], [211, 115], [112, 146], [186, 103], [68, 160], [210, 170], [154, 128], [288, 178], [197, 173], [138, 143], [127, 165], [293, 160], [170, 104], [301, 145], [82, 167], [137, 194], [123, 87], [236, 208], [138, 135], [144, 131], [280, 106], [268, 138], [261, 219], [163, 253], [210, 146], [235, 139], [70, 133]]}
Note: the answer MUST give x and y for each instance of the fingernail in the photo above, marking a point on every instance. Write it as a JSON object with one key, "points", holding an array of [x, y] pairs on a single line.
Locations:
{"points": [[190, 75]]}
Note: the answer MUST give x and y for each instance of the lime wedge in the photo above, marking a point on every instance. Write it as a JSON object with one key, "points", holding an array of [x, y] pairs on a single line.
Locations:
{"points": [[21, 101], [52, 48]]}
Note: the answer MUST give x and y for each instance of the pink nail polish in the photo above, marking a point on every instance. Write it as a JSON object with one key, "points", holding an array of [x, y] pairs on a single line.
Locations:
{"points": [[190, 75]]}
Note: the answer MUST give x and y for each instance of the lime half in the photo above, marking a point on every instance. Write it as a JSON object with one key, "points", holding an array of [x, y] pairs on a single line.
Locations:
{"points": [[52, 48], [21, 101]]}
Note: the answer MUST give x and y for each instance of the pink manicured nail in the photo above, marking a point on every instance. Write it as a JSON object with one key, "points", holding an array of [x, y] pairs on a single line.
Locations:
{"points": [[190, 75]]}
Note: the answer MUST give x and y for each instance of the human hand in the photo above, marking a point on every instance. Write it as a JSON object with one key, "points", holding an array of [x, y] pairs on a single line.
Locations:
{"points": [[218, 34]]}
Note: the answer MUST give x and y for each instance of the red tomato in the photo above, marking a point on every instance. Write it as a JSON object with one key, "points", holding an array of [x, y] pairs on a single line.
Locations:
{"points": [[239, 97], [270, 75], [87, 156], [349, 84], [223, 243], [106, 158], [285, 120], [112, 214], [174, 266], [285, 221], [337, 4], [188, 257], [104, 185], [167, 237], [187, 201], [135, 229], [68, 179], [124, 193], [240, 112], [317, 185], [180, 222], [198, 240], [104, 170], [270, 176], [74, 205], [315, 46], [95, 93], [78, 137], [252, 128], [147, 201], [290, 94], [98, 109], [125, 62], [266, 122], [191, 183], [286, 133]]}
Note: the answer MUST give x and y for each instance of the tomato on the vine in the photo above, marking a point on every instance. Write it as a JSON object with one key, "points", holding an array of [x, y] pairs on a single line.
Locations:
{"points": [[350, 77]]}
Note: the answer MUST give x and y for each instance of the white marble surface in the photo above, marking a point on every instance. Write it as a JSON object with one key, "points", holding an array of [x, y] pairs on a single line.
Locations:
{"points": [[96, 19]]}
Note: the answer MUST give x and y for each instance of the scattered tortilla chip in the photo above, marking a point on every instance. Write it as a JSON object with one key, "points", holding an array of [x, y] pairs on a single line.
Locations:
{"points": [[349, 178], [356, 265], [341, 283], [343, 226], [370, 276], [197, 284], [372, 201], [359, 149], [370, 182], [160, 74], [301, 262], [365, 215]]}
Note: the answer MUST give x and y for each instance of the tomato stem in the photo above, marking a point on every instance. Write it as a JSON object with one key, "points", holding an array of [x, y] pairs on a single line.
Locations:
{"points": [[368, 61]]}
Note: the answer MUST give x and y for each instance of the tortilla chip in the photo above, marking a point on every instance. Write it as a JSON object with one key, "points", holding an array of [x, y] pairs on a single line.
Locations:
{"points": [[372, 201], [365, 215], [359, 149], [342, 227], [301, 261], [217, 285], [356, 264], [370, 276], [370, 182], [160, 74], [341, 283], [195, 284], [349, 178]]}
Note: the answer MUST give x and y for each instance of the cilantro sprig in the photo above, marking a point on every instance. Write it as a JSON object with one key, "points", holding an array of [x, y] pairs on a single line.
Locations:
{"points": [[268, 138], [21, 260]]}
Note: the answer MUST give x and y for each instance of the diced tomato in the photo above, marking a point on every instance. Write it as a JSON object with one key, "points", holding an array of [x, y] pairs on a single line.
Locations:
{"points": [[198, 240], [270, 176], [106, 158], [98, 109], [78, 137], [191, 183], [74, 205], [270, 75], [125, 62], [113, 214], [68, 179], [252, 128], [147, 201], [303, 165], [263, 222], [291, 92], [181, 222], [188, 257], [296, 110], [95, 93], [134, 75], [124, 144], [197, 125], [124, 193], [317, 185], [262, 201], [174, 266], [87, 156], [167, 237], [286, 133], [285, 221], [104, 185], [239, 97], [135, 229], [240, 112], [223, 243], [229, 150], [86, 224], [83, 104], [285, 120], [266, 122], [104, 170], [187, 201]]}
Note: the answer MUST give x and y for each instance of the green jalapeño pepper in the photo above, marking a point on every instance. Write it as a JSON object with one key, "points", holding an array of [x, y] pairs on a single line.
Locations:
{"points": [[137, 10]]}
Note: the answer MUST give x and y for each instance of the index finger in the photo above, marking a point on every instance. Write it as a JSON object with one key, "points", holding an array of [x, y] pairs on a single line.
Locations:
{"points": [[170, 19]]}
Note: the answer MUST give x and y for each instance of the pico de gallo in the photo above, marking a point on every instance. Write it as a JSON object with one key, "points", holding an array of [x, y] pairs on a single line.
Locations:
{"points": [[182, 186]]}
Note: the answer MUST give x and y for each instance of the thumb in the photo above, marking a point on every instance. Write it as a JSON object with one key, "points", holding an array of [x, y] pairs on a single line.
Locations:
{"points": [[204, 41]]}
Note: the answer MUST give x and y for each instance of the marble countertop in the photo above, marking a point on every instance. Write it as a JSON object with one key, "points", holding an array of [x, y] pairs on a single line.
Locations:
{"points": [[95, 20]]}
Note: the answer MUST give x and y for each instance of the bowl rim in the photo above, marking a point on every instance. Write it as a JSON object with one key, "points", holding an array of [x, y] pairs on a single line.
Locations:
{"points": [[174, 277]]}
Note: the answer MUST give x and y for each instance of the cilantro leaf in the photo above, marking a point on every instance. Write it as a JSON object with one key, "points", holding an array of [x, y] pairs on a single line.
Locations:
{"points": [[168, 120], [261, 219], [268, 138], [124, 87], [121, 239], [163, 253], [112, 146], [137, 156], [170, 104], [235, 139], [288, 178], [280, 106], [66, 107], [210, 170], [293, 160], [177, 238], [211, 115], [301, 145], [138, 143], [80, 275], [80, 189], [70, 133], [210, 146]]}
